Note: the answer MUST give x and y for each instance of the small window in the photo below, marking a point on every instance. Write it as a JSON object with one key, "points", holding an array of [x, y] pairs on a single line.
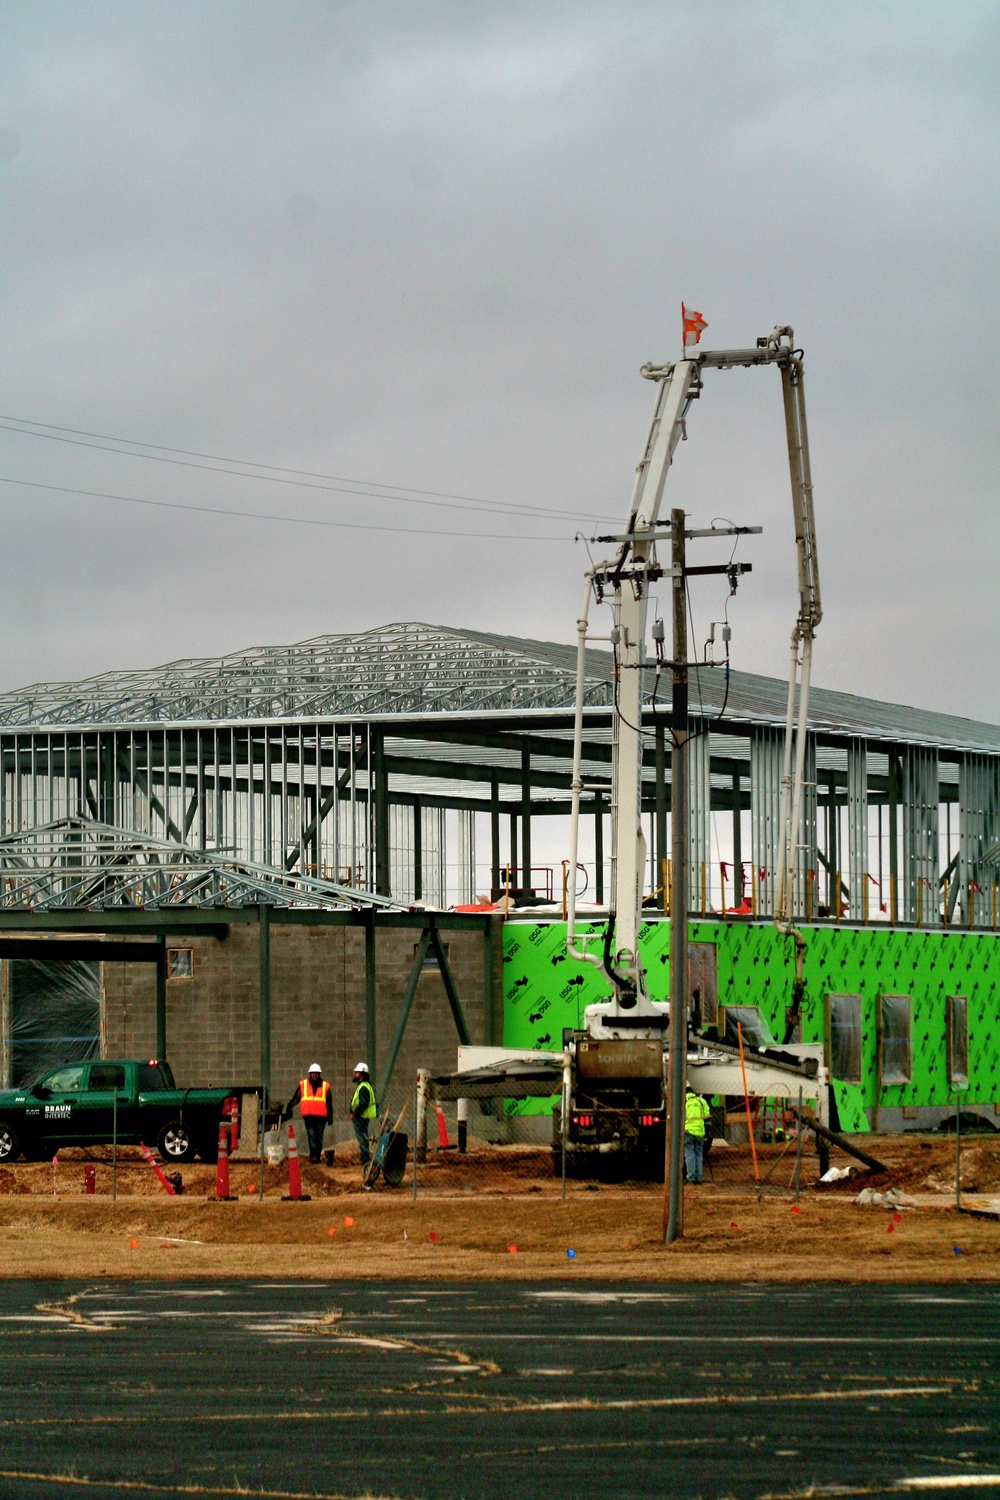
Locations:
{"points": [[755, 1031], [180, 963], [430, 957], [958, 1040], [65, 1080], [845, 1038], [107, 1076], [895, 1050]]}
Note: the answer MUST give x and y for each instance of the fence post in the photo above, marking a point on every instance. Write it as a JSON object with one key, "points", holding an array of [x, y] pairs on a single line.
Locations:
{"points": [[420, 1147], [416, 1114], [798, 1146], [263, 1130], [564, 1113]]}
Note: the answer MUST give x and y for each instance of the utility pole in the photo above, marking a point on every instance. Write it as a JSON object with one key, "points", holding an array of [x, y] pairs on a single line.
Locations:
{"points": [[673, 1196], [673, 1205]]}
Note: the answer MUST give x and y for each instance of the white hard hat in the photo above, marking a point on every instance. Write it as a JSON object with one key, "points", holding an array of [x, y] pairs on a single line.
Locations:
{"points": [[315, 1068], [361, 1068]]}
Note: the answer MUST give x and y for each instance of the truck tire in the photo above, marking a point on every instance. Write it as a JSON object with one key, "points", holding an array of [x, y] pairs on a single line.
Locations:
{"points": [[10, 1145], [175, 1142]]}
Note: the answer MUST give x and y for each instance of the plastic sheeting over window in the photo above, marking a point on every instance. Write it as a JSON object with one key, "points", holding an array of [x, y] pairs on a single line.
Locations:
{"points": [[897, 1065], [55, 1015], [754, 1029], [845, 1038], [958, 1040]]}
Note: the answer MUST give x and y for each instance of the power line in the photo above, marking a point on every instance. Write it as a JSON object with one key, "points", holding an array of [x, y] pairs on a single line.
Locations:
{"points": [[256, 515], [303, 478]]}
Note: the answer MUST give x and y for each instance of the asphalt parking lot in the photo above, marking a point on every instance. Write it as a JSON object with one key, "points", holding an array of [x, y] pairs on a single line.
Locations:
{"points": [[550, 1390]]}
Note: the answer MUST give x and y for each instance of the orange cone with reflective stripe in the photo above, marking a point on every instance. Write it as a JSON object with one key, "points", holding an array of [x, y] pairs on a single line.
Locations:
{"points": [[443, 1141], [295, 1193]]}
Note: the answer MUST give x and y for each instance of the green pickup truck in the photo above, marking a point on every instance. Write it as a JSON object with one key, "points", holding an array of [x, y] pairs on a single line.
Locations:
{"points": [[94, 1103]]}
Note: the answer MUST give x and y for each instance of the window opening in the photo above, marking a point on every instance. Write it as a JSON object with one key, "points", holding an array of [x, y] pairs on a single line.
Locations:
{"points": [[958, 1040], [180, 963], [895, 1050], [755, 1030], [430, 957], [845, 1038]]}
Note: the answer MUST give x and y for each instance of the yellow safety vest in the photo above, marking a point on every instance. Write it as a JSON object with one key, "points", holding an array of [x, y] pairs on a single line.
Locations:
{"points": [[368, 1113], [313, 1101], [696, 1112]]}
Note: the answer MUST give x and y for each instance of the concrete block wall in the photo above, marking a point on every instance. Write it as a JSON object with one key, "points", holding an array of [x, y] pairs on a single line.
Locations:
{"points": [[317, 1007]]}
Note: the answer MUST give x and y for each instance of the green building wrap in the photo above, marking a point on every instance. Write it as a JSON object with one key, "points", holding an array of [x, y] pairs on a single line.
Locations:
{"points": [[545, 992]]}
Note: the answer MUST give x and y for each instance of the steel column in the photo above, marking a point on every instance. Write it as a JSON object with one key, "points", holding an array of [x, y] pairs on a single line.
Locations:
{"points": [[857, 827], [526, 817], [494, 837], [383, 884], [371, 1016], [264, 989], [660, 842], [161, 998]]}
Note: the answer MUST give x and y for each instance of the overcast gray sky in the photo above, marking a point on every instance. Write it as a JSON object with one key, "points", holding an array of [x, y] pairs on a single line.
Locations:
{"points": [[429, 245]]}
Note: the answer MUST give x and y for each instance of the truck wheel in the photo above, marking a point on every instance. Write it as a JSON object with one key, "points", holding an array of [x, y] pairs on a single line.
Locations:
{"points": [[10, 1146], [175, 1142]]}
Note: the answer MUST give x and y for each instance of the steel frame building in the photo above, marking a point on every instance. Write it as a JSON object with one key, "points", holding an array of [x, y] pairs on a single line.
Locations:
{"points": [[335, 764]]}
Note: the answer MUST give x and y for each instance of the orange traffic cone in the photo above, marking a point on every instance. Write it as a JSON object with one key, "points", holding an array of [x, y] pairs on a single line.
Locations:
{"points": [[295, 1193], [222, 1193], [148, 1158], [443, 1143]]}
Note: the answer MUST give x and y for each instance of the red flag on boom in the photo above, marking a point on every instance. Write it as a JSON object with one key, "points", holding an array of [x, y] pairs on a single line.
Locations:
{"points": [[694, 325]]}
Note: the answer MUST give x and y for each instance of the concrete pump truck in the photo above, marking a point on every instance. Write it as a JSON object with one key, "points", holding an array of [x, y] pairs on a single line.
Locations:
{"points": [[624, 1072], [619, 1092]]}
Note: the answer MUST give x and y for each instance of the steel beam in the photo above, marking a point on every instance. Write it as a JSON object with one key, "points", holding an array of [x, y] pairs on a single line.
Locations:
{"points": [[264, 955], [161, 998]]}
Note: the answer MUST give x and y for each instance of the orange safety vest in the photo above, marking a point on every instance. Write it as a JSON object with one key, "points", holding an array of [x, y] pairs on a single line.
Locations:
{"points": [[313, 1102]]}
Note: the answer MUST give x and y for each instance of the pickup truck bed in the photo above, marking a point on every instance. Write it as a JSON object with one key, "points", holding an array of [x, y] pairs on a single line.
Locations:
{"points": [[128, 1100]]}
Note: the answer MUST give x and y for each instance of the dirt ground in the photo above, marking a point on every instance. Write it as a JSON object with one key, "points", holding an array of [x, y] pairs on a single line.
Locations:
{"points": [[499, 1215]]}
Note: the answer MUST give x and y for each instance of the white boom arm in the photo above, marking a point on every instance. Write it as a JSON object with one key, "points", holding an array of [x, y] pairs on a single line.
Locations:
{"points": [[624, 583]]}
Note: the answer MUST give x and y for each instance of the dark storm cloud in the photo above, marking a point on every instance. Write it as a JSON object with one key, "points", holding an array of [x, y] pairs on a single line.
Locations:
{"points": [[430, 245]]}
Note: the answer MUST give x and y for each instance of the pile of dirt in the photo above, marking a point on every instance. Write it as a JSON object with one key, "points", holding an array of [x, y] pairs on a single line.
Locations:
{"points": [[926, 1163], [915, 1164]]}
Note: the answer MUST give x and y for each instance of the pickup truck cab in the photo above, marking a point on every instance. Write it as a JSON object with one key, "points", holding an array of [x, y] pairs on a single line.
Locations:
{"points": [[94, 1103]]}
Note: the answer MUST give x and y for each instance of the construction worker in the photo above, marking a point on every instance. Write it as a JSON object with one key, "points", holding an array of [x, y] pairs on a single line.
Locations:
{"points": [[362, 1110], [315, 1101], [696, 1112]]}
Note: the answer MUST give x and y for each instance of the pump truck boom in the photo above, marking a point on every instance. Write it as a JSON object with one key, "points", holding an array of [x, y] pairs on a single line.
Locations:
{"points": [[613, 1105], [616, 1102]]}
